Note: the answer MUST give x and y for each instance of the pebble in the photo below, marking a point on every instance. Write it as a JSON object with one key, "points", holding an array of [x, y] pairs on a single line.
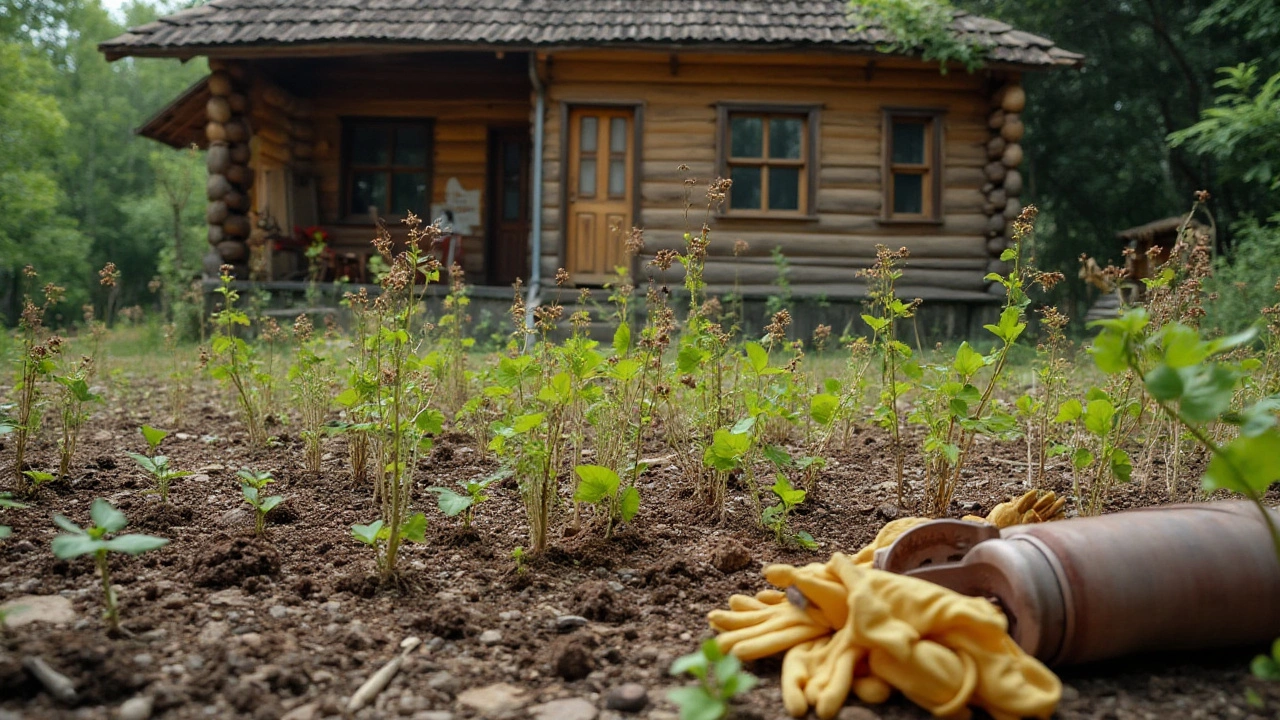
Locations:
{"points": [[433, 715], [493, 700], [135, 708], [630, 697], [278, 611], [567, 709], [490, 637], [410, 703], [509, 615], [616, 586], [309, 711], [143, 660], [443, 681], [568, 623], [333, 606], [52, 609]]}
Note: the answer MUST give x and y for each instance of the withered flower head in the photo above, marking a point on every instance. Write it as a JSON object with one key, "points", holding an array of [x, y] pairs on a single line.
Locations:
{"points": [[29, 271], [635, 241], [225, 268], [740, 247], [53, 293], [562, 277], [718, 191], [664, 259], [1202, 196], [777, 329], [302, 328], [108, 275]]}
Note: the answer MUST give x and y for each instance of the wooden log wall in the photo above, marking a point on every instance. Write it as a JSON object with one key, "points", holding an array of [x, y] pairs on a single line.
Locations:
{"points": [[283, 143], [1003, 186], [680, 96], [230, 179]]}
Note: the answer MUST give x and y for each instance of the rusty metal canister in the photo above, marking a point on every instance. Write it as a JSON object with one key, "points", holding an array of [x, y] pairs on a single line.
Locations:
{"points": [[1167, 578]]}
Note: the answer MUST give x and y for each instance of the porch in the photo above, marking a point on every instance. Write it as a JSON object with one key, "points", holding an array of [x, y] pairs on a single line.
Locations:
{"points": [[307, 154]]}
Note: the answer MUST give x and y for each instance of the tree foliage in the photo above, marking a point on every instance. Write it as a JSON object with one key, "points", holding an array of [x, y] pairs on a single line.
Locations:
{"points": [[921, 27]]}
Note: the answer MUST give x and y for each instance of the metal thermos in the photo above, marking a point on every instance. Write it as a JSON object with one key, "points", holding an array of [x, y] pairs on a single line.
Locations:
{"points": [[1166, 578]]}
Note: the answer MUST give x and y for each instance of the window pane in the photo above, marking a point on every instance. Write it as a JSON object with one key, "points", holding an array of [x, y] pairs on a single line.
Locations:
{"points": [[369, 145], [784, 188], [786, 135], [587, 143], [618, 135], [617, 177], [511, 155], [587, 177], [746, 137], [411, 146], [908, 194], [511, 203], [409, 192], [368, 189], [745, 192], [908, 142]]}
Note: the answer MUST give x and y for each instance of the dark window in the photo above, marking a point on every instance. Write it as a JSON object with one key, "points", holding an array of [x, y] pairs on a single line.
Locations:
{"points": [[769, 154], [388, 167], [912, 165]]}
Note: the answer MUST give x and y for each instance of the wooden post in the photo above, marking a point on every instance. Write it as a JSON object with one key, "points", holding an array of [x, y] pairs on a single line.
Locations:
{"points": [[1004, 151], [229, 175]]}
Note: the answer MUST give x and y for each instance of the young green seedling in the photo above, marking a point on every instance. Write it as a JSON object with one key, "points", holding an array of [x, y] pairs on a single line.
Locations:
{"points": [[95, 540], [520, 557], [157, 465], [453, 504], [38, 478], [252, 483], [720, 679], [7, 501], [1267, 667], [601, 486], [775, 517], [377, 533]]}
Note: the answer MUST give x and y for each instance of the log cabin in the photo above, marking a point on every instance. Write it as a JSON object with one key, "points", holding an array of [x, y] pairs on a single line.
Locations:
{"points": [[544, 130]]}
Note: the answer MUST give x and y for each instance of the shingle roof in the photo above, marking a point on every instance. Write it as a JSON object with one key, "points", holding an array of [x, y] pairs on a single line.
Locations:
{"points": [[228, 24]]}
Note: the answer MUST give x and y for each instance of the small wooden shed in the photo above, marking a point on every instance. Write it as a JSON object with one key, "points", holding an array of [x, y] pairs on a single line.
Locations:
{"points": [[546, 129]]}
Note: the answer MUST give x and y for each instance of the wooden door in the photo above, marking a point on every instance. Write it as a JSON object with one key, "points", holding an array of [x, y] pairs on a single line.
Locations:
{"points": [[507, 256], [601, 160]]}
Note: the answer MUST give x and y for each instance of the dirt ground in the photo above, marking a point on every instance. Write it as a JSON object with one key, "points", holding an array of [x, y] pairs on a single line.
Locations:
{"points": [[222, 625]]}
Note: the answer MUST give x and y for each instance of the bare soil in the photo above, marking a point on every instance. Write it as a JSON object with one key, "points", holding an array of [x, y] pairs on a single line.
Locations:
{"points": [[222, 625]]}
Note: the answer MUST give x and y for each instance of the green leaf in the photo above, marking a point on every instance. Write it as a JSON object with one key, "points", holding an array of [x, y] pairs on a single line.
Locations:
{"points": [[695, 664], [1082, 459], [525, 423], [1069, 411], [1207, 392], [822, 408], [622, 340], [39, 477], [268, 504], [1246, 465], [808, 543], [153, 436], [1182, 346], [629, 504], [778, 456], [1098, 415], [1265, 668], [145, 462], [67, 525], [1121, 465], [789, 496], [968, 361], [1009, 255], [757, 357], [451, 503], [743, 426], [415, 528], [368, 534], [726, 450], [430, 421], [689, 358], [696, 703], [5, 532], [107, 517], [1164, 383], [1008, 329], [66, 547], [135, 544], [876, 324], [596, 483]]}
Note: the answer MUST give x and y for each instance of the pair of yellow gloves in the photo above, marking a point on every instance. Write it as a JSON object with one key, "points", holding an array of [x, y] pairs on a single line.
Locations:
{"points": [[846, 626]]}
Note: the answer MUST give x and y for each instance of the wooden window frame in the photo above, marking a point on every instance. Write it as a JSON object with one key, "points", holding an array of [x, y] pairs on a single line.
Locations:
{"points": [[932, 169], [808, 158], [349, 124]]}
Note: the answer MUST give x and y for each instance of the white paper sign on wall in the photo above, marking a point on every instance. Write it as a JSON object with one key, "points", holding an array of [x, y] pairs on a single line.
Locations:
{"points": [[463, 203]]}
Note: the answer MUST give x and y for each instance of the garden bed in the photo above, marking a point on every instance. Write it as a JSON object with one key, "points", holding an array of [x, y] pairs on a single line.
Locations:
{"points": [[221, 624]]}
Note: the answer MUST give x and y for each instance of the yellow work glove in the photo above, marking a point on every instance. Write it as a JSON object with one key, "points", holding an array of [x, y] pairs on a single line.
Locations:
{"points": [[868, 631], [1035, 506]]}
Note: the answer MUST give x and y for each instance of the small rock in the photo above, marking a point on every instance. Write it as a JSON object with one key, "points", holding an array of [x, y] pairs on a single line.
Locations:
{"points": [[857, 712], [234, 516], [494, 700], [143, 660], [184, 436], [888, 512], [52, 609], [135, 708], [332, 607], [615, 586], [102, 436], [310, 711], [444, 682], [571, 658], [433, 715], [567, 709], [212, 632], [631, 697], [1069, 693], [509, 615], [278, 611], [409, 703], [730, 556], [569, 623], [490, 637]]}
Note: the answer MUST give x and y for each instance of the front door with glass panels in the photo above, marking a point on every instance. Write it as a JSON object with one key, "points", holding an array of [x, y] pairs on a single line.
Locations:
{"points": [[601, 156]]}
